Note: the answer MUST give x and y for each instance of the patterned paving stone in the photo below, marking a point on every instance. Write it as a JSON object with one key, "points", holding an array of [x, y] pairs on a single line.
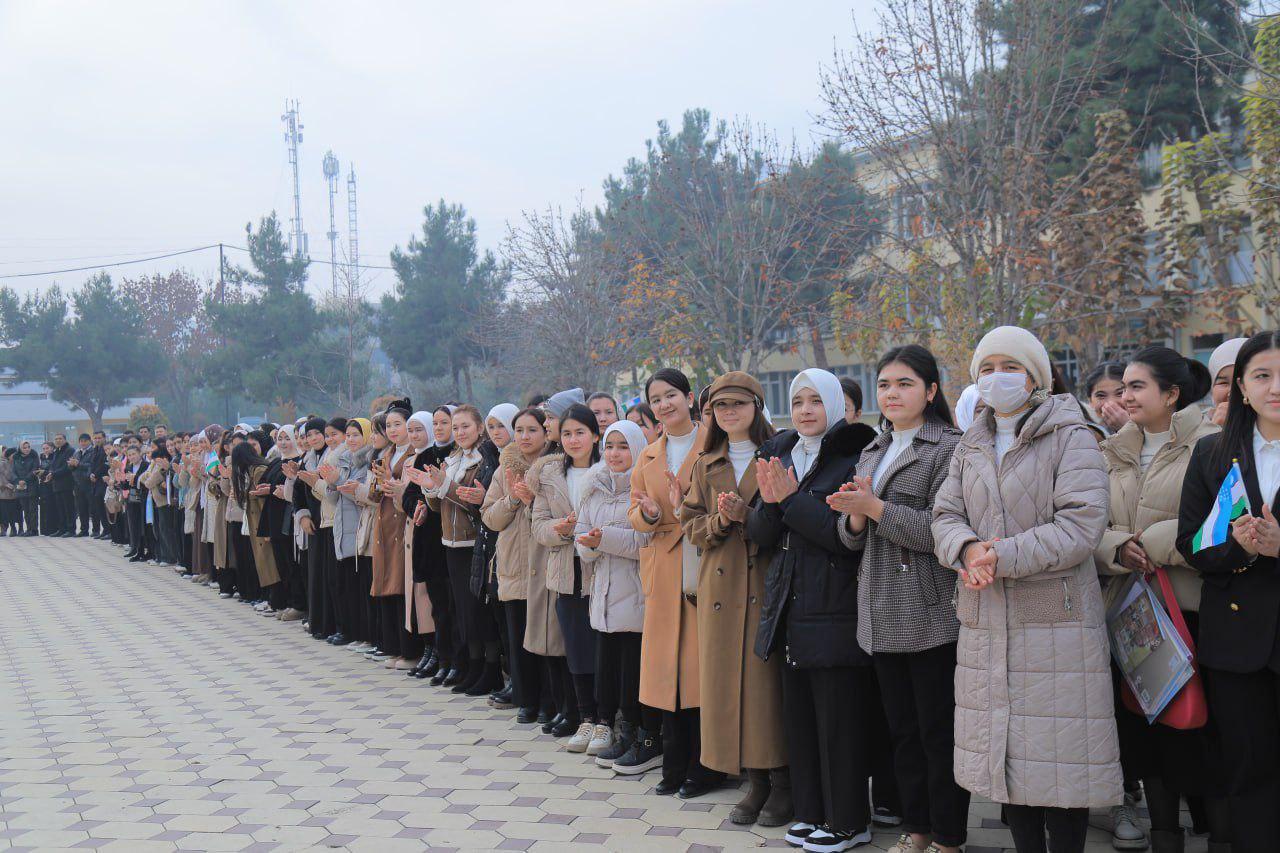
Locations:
{"points": [[139, 712]]}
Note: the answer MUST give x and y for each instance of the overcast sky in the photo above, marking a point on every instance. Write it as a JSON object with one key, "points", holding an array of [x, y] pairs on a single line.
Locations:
{"points": [[129, 129]]}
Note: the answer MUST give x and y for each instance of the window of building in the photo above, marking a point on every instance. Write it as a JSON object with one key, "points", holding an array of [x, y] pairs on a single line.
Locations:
{"points": [[911, 218]]}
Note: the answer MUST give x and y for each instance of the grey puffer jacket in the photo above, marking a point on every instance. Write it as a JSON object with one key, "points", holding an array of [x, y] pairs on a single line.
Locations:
{"points": [[347, 511], [1035, 720], [617, 600]]}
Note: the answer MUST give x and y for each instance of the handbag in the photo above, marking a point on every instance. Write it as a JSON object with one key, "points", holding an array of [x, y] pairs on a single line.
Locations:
{"points": [[1188, 709]]}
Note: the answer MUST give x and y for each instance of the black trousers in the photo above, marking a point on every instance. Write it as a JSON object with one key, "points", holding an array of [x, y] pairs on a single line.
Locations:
{"points": [[828, 715], [66, 501], [917, 691], [1066, 828], [475, 622], [136, 522], [618, 676], [440, 591], [320, 555], [162, 529], [98, 507], [361, 601], [292, 573], [82, 492], [1247, 709], [181, 541], [340, 578], [30, 507], [682, 747], [50, 516], [395, 639], [526, 677], [246, 571], [560, 681]]}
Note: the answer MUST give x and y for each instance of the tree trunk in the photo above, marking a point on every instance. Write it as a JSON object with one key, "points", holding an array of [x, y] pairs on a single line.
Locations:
{"points": [[466, 375], [815, 339]]}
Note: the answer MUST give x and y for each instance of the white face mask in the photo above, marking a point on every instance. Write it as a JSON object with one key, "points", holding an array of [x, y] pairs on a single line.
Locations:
{"points": [[1004, 392]]}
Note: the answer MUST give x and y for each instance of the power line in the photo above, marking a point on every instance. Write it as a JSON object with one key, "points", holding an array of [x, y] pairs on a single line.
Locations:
{"points": [[160, 258]]}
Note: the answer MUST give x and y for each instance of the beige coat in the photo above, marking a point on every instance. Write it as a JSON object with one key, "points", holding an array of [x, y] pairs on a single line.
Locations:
{"points": [[542, 628], [264, 559], [551, 505], [1149, 502], [215, 522], [1035, 718], [741, 694], [153, 478], [388, 540], [669, 650], [510, 518]]}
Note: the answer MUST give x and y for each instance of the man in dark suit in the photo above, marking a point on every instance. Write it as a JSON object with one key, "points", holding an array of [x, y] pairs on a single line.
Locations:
{"points": [[83, 464], [98, 486], [61, 473]]}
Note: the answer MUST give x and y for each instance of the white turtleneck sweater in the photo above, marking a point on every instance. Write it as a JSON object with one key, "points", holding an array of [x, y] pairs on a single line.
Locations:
{"points": [[740, 456], [1151, 444], [901, 440], [678, 447], [1006, 432]]}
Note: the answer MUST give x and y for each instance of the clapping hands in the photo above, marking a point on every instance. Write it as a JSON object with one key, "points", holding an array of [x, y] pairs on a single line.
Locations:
{"points": [[776, 483], [1260, 536], [567, 525], [732, 507]]}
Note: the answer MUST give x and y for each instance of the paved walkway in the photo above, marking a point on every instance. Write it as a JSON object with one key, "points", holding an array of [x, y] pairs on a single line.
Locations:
{"points": [[139, 712]]}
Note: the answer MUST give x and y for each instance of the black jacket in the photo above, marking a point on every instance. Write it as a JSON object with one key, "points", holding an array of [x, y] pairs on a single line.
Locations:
{"points": [[24, 470], [1240, 601], [484, 583], [811, 588], [92, 460], [428, 547], [63, 480], [276, 519]]}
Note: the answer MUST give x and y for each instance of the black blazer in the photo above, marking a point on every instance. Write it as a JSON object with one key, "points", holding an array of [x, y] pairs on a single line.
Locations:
{"points": [[811, 588], [428, 547], [1240, 602]]}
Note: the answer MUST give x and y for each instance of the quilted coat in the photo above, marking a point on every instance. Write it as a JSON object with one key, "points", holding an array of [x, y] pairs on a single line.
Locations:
{"points": [[904, 595], [617, 601], [1149, 501], [1035, 718], [510, 517]]}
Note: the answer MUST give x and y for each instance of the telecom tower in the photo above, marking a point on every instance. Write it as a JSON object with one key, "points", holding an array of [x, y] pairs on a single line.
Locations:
{"points": [[331, 178], [293, 135], [353, 239]]}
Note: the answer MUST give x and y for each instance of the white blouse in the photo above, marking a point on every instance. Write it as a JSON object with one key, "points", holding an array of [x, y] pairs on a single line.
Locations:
{"points": [[1266, 457]]}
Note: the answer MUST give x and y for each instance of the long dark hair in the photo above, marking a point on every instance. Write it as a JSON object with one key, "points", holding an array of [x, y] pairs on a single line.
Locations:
{"points": [[1172, 370], [646, 414], [1113, 370], [1236, 441], [760, 432], [922, 363], [243, 460], [586, 417]]}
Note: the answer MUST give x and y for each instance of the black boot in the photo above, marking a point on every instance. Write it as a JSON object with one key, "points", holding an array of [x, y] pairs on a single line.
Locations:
{"points": [[490, 679], [432, 665], [475, 671], [416, 672]]}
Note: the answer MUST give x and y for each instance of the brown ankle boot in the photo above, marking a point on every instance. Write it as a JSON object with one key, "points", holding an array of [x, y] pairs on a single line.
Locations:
{"points": [[746, 811], [777, 810]]}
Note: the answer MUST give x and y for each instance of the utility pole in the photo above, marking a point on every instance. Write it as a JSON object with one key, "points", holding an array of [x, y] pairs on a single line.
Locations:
{"points": [[222, 299], [293, 135], [353, 236], [331, 178]]}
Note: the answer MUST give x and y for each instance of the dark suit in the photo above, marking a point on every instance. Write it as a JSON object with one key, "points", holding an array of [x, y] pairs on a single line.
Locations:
{"points": [[1239, 646], [63, 481], [91, 462]]}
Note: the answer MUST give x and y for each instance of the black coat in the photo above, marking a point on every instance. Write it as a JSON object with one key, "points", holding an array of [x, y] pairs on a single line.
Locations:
{"points": [[428, 547], [91, 460], [811, 588], [25, 469], [63, 480], [484, 583], [276, 519], [1240, 602]]}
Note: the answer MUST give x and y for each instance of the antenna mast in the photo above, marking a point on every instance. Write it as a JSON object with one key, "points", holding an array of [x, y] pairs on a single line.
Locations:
{"points": [[331, 178], [293, 135], [353, 238]]}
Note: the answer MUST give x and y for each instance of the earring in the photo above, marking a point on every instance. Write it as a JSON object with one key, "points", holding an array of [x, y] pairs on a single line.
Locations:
{"points": [[1246, 399]]}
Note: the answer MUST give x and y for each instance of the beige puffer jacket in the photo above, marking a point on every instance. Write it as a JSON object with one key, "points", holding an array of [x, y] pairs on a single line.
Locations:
{"points": [[510, 518], [1035, 720], [551, 505], [1149, 502], [617, 601]]}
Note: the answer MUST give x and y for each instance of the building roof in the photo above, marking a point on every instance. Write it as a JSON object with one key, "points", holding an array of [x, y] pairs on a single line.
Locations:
{"points": [[29, 402]]}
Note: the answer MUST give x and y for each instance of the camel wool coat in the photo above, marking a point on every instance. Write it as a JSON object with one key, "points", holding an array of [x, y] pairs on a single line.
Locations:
{"points": [[669, 649], [509, 518], [388, 539], [741, 694], [542, 626], [1035, 718], [1149, 501], [264, 558]]}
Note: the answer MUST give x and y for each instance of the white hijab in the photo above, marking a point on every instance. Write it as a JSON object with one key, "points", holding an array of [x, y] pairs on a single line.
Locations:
{"points": [[633, 434], [505, 413], [966, 406], [827, 384]]}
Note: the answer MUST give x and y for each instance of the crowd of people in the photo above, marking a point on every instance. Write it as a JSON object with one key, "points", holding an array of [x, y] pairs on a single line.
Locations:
{"points": [[867, 625]]}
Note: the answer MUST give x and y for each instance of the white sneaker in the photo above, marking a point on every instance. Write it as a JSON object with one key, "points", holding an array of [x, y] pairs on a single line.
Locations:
{"points": [[579, 742], [267, 611], [260, 606], [799, 833], [601, 739], [361, 646], [823, 840]]}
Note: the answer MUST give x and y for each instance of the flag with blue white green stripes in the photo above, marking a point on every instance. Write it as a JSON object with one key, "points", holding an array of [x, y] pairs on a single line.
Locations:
{"points": [[1231, 503]]}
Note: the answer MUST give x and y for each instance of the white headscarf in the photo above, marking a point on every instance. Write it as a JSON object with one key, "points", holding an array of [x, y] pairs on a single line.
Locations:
{"points": [[506, 414], [966, 406], [827, 384], [633, 434]]}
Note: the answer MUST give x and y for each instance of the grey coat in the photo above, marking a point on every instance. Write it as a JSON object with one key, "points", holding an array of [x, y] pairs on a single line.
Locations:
{"points": [[347, 512], [1035, 718], [904, 595]]}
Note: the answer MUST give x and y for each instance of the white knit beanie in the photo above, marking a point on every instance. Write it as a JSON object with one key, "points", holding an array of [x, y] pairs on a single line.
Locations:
{"points": [[1225, 355], [1019, 344]]}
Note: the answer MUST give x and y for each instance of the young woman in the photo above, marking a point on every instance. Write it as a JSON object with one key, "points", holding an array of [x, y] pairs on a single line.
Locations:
{"points": [[27, 486], [642, 416], [560, 481], [306, 520], [388, 549], [605, 408], [608, 546], [251, 493], [1019, 516], [810, 616], [506, 510], [741, 694], [1240, 599], [289, 596], [452, 492], [8, 495], [426, 618], [242, 570], [359, 486], [1222, 361], [669, 676], [498, 428], [1146, 463], [351, 468], [1104, 392], [905, 617]]}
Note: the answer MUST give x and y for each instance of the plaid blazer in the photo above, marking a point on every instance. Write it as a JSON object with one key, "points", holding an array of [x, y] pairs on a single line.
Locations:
{"points": [[905, 598]]}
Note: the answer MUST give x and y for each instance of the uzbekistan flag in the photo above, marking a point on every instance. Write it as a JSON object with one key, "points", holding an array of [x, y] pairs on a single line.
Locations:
{"points": [[1231, 503]]}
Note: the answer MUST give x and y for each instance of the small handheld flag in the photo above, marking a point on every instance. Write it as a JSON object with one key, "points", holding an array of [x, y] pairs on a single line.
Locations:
{"points": [[1231, 503]]}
